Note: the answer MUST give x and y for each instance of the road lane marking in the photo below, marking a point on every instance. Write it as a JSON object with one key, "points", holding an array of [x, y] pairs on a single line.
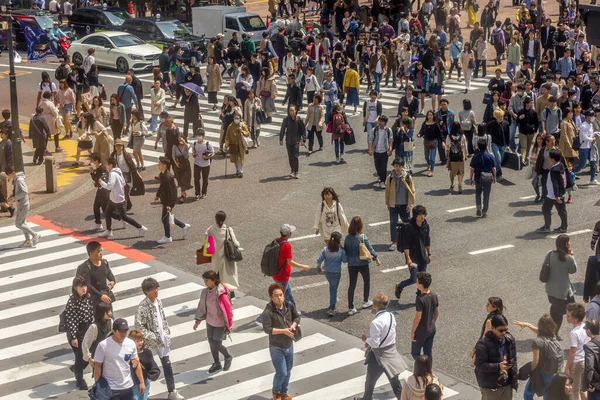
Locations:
{"points": [[571, 233], [385, 271], [533, 196], [379, 223], [461, 209], [311, 285], [293, 239], [506, 246]]}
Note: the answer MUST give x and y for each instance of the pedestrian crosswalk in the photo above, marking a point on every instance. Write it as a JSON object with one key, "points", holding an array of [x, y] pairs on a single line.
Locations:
{"points": [[34, 287]]}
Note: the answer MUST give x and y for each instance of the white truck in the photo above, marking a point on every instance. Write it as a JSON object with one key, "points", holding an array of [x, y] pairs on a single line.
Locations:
{"points": [[212, 20]]}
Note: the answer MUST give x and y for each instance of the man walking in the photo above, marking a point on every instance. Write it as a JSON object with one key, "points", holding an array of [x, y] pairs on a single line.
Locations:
{"points": [[591, 373], [114, 358], [116, 202], [380, 140], [126, 95], [21, 196], [382, 356], [150, 319], [423, 327], [280, 322], [294, 132], [97, 274], [399, 198], [483, 174], [167, 193], [138, 89], [555, 196], [496, 361], [416, 245]]}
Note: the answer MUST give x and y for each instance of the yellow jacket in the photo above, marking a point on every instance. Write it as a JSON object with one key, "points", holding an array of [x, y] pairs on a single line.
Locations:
{"points": [[351, 80], [390, 190]]}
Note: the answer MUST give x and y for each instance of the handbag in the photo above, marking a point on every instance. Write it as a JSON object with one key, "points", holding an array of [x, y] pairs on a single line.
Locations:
{"points": [[265, 93], [487, 97], [62, 322], [545, 271], [232, 252], [347, 90], [201, 258], [363, 250], [349, 138], [471, 64], [261, 117], [110, 294], [486, 178], [430, 144], [100, 390]]}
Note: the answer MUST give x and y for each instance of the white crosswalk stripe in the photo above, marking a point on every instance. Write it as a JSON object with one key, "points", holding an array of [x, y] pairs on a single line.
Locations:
{"points": [[36, 358]]}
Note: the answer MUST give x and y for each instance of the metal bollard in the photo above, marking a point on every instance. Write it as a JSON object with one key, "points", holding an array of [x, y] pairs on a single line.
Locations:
{"points": [[51, 185]]}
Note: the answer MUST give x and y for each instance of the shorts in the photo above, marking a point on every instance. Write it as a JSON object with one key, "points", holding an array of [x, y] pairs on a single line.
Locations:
{"points": [[435, 89], [85, 144], [457, 168], [68, 109], [525, 141]]}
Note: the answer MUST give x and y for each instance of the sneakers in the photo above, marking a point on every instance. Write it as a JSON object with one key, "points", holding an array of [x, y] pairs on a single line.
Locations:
{"points": [[11, 211], [27, 243], [142, 231], [459, 188], [295, 175], [367, 304], [227, 364], [186, 230], [478, 213], [97, 227], [337, 160], [331, 313], [392, 247], [81, 384], [124, 224], [352, 311], [484, 215], [538, 199], [569, 200], [197, 197], [560, 230], [382, 185], [174, 395], [215, 367], [292, 175], [543, 229], [106, 234], [36, 239], [594, 182], [164, 240]]}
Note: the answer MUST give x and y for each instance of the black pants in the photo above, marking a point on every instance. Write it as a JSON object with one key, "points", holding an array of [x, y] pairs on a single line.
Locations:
{"points": [[374, 371], [168, 370], [164, 217], [100, 203], [381, 160], [117, 128], [455, 64], [482, 64], [216, 346], [311, 138], [125, 394], [442, 150], [469, 137], [56, 141], [38, 155], [166, 77], [204, 171], [310, 97], [120, 210], [353, 272], [560, 208], [186, 124], [128, 117], [293, 151], [80, 364], [558, 308]]}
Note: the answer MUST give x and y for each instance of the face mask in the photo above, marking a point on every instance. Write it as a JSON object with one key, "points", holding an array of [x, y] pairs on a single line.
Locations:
{"points": [[236, 120]]}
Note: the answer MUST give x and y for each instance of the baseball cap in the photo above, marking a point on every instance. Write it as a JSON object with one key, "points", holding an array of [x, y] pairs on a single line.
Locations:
{"points": [[286, 229], [120, 324], [118, 142]]}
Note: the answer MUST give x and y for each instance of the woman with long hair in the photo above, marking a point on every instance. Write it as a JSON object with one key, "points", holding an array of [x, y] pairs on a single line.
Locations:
{"points": [[267, 91], [103, 141], [468, 123], [421, 82], [85, 137], [467, 60], [330, 216], [66, 102], [568, 131], [508, 92], [227, 270], [98, 331], [543, 356], [414, 389], [243, 84], [494, 306], [251, 107], [431, 134], [561, 388], [181, 168], [117, 116], [488, 114], [78, 317], [358, 263], [46, 85], [214, 80], [98, 111], [236, 141], [137, 134], [332, 257], [351, 86], [436, 89], [157, 98], [214, 307], [404, 59], [456, 153], [537, 146]]}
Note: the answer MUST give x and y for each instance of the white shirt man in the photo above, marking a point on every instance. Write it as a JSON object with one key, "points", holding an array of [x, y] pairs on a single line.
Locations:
{"points": [[53, 7], [67, 8]]}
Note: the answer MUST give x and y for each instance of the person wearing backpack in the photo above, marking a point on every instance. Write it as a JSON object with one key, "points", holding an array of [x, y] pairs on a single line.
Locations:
{"points": [[330, 216], [63, 70], [456, 153], [97, 331], [556, 190], [547, 356]]}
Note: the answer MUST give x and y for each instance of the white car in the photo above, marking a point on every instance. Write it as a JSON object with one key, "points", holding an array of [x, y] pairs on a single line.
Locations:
{"points": [[118, 50]]}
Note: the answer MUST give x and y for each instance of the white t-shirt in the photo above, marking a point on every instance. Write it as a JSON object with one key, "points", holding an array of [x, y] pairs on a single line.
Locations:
{"points": [[577, 338], [47, 87], [87, 63], [163, 351], [115, 358], [201, 149], [371, 111]]}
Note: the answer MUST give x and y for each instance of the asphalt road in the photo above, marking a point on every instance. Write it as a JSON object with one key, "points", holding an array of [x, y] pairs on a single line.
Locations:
{"points": [[265, 198]]}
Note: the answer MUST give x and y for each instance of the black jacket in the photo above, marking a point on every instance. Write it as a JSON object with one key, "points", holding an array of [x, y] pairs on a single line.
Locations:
{"points": [[415, 239], [293, 130], [592, 277], [547, 38], [272, 318], [164, 62], [98, 173], [529, 123], [192, 108], [487, 360], [557, 174], [499, 82], [167, 191], [500, 132], [541, 77], [293, 94], [591, 371], [413, 106]]}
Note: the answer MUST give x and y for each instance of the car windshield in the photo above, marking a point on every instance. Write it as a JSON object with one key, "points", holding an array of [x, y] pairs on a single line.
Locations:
{"points": [[126, 40], [173, 29], [45, 21], [117, 17], [252, 24]]}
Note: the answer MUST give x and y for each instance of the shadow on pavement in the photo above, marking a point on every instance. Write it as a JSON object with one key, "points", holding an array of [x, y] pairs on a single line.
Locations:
{"points": [[464, 219], [527, 213]]}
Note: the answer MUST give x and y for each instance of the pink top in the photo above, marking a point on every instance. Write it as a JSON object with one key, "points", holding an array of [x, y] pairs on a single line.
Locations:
{"points": [[212, 314]]}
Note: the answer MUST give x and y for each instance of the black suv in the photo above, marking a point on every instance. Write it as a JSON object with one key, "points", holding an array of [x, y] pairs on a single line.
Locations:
{"points": [[44, 19], [94, 19], [162, 32]]}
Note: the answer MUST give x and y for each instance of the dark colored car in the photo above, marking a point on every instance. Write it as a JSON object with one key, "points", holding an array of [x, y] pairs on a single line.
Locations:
{"points": [[95, 19], [162, 32], [44, 20]]}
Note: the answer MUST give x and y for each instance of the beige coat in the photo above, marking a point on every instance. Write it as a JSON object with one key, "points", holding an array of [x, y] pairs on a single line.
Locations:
{"points": [[250, 109], [50, 114], [268, 84], [234, 135], [390, 190], [567, 134], [104, 142], [227, 270], [465, 57], [416, 391], [311, 117], [158, 100], [214, 80]]}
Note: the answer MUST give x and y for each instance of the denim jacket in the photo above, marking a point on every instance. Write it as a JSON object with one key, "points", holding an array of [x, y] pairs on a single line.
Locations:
{"points": [[352, 245], [333, 261]]}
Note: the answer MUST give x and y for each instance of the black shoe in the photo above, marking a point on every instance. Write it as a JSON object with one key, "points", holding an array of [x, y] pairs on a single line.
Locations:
{"points": [[478, 213], [81, 385], [538, 199], [543, 229], [560, 230], [227, 363], [484, 215], [215, 367], [11, 210], [397, 292]]}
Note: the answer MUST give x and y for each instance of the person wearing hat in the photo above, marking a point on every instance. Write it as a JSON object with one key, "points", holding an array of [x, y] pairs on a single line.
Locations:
{"points": [[167, 194], [54, 35], [115, 358]]}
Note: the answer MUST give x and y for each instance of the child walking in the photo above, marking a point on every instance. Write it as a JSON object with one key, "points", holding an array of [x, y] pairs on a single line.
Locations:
{"points": [[333, 256]]}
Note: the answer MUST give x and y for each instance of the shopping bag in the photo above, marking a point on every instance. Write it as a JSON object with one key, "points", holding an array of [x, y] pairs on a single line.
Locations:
{"points": [[209, 246], [201, 258]]}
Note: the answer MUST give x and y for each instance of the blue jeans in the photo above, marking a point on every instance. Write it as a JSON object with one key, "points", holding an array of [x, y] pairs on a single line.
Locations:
{"points": [[377, 77], [334, 282], [528, 395], [425, 344], [154, 123], [532, 61], [430, 156], [283, 361], [339, 147], [412, 279], [535, 182], [395, 212], [510, 70], [327, 111], [371, 126], [499, 156], [136, 391], [584, 156], [513, 132]]}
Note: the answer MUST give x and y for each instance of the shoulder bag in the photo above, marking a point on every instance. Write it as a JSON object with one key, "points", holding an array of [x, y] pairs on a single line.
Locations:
{"points": [[363, 250], [545, 271], [232, 252], [368, 351]]}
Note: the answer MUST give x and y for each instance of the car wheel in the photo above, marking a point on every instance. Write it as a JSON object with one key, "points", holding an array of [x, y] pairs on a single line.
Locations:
{"points": [[77, 58], [122, 65]]}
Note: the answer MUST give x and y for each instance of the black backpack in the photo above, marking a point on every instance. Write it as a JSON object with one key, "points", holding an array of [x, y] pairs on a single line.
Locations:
{"points": [[269, 263], [61, 72], [456, 152]]}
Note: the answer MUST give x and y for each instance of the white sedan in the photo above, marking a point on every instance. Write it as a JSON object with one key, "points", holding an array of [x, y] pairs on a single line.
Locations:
{"points": [[118, 50]]}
